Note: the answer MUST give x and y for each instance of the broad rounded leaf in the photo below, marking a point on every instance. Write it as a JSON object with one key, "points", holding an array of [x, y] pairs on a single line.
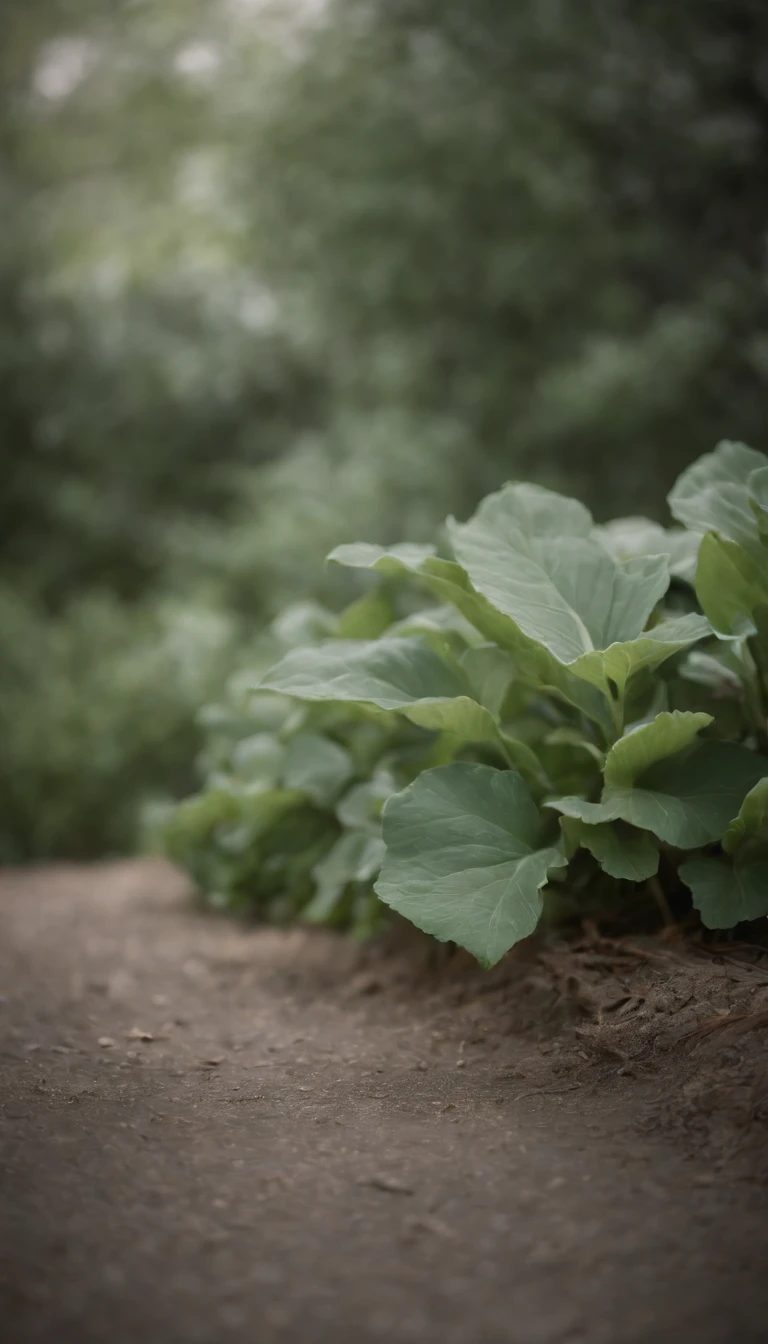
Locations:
{"points": [[564, 591], [403, 675], [535, 511], [725, 895], [712, 495], [449, 582], [465, 858], [389, 673]]}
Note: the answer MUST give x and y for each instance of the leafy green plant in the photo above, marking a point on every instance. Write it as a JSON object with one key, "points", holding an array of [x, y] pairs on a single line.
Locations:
{"points": [[583, 669], [725, 496], [288, 821]]}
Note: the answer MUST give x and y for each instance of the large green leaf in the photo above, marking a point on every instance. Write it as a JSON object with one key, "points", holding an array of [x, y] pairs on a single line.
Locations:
{"points": [[686, 800], [389, 673], [448, 581], [713, 494], [465, 859], [403, 675], [566, 593], [534, 511], [560, 587]]}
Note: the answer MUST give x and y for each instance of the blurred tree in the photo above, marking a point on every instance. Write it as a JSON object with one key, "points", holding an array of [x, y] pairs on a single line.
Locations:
{"points": [[140, 362], [543, 224]]}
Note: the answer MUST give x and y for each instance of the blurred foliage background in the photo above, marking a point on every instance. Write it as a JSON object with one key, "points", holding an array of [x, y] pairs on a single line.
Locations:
{"points": [[277, 276]]}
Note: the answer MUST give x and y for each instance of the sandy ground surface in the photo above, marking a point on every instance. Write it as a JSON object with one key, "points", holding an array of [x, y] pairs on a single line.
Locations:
{"points": [[216, 1134]]}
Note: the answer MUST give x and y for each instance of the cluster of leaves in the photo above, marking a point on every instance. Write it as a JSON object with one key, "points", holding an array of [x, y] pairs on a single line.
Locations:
{"points": [[289, 819], [580, 688]]}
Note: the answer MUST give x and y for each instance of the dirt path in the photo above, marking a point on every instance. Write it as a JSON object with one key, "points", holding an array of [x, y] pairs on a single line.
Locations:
{"points": [[292, 1158]]}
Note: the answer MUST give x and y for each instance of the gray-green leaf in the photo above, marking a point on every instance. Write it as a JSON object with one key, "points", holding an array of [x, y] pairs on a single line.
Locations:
{"points": [[561, 587], [448, 581], [564, 591], [392, 674], [726, 895], [713, 495], [465, 858]]}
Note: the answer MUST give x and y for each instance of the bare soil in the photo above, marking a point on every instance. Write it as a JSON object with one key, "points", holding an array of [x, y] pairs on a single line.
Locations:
{"points": [[214, 1133]]}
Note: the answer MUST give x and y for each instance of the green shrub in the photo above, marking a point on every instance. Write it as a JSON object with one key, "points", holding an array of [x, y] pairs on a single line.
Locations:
{"points": [[288, 820], [578, 688], [97, 711]]}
